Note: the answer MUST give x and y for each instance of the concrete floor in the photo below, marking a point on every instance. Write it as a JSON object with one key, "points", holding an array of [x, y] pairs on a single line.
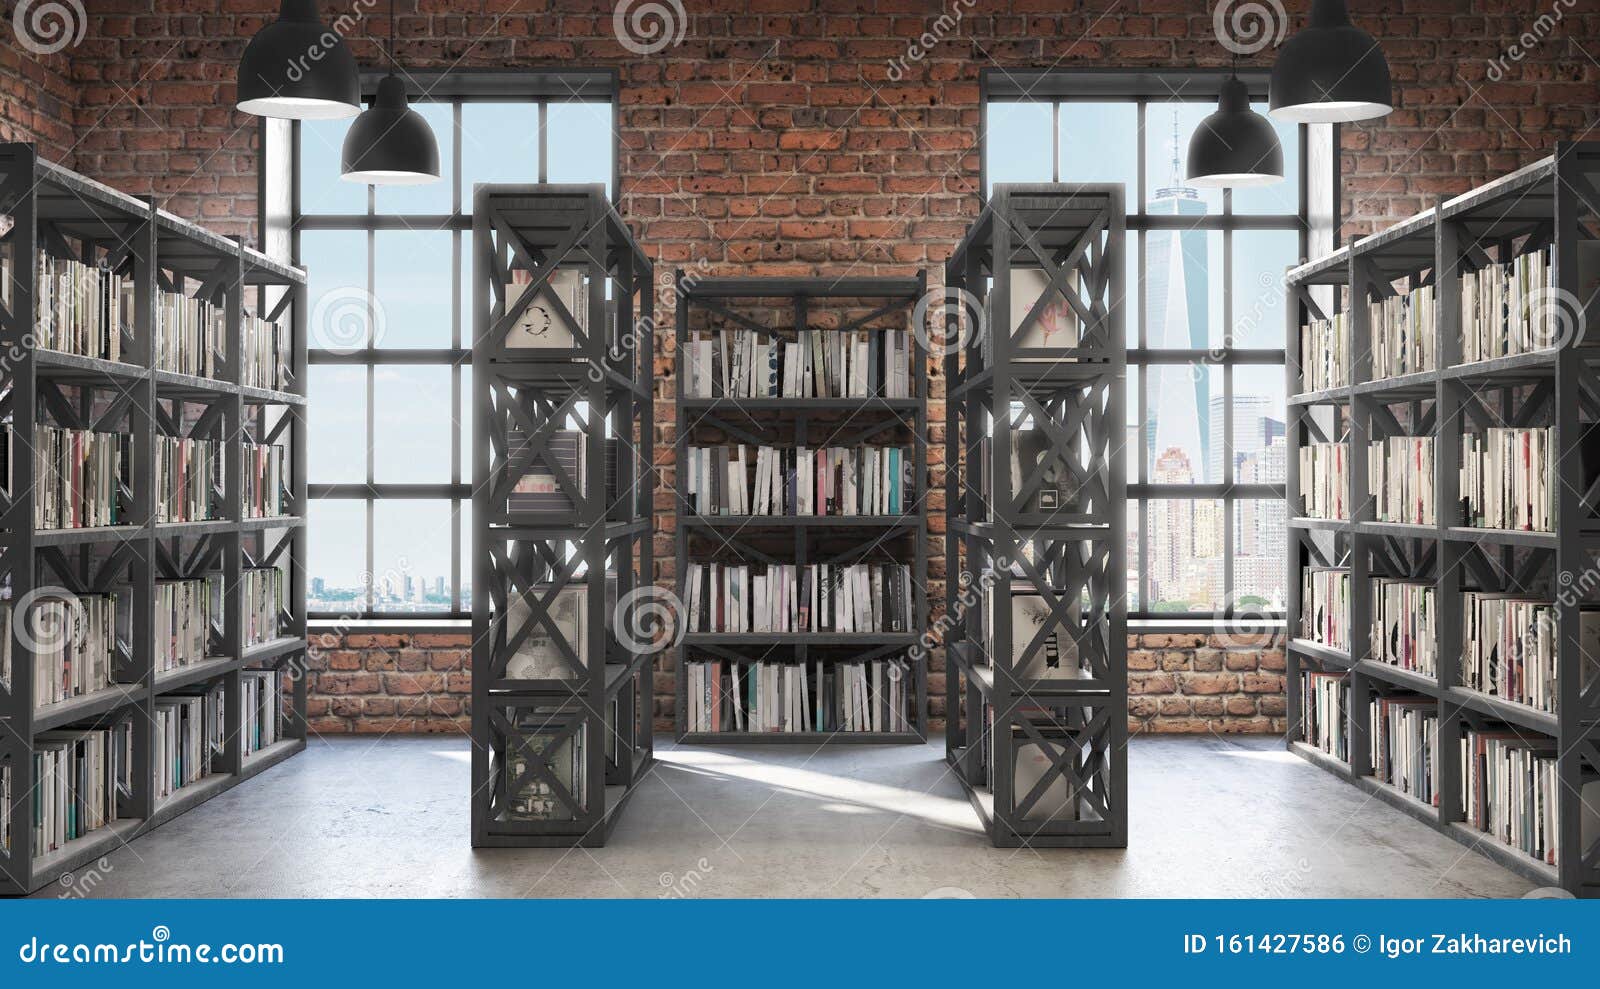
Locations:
{"points": [[388, 818]]}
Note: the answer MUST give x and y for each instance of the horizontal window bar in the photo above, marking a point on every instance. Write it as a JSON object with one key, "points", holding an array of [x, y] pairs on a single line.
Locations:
{"points": [[381, 491], [423, 222], [1115, 85], [1206, 491], [391, 355], [1219, 355]]}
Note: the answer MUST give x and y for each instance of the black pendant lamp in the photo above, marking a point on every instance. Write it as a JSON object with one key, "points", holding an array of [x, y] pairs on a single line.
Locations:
{"points": [[1235, 146], [1332, 72], [390, 143], [298, 69]]}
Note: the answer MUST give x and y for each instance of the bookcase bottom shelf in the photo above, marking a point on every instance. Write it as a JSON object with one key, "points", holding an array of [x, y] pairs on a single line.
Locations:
{"points": [[801, 737], [1091, 835], [51, 867], [1523, 865], [617, 796]]}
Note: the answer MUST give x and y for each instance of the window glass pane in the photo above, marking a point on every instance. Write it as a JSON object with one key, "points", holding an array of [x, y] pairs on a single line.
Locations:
{"points": [[579, 142], [1283, 197], [1018, 144], [1132, 303], [412, 275], [321, 188], [1258, 555], [1167, 128], [464, 420], [336, 289], [1100, 143], [412, 425], [434, 197], [464, 522], [1183, 428], [1185, 564], [410, 552], [336, 572], [1259, 259], [1258, 424], [1183, 289], [336, 424], [1133, 557], [499, 143]]}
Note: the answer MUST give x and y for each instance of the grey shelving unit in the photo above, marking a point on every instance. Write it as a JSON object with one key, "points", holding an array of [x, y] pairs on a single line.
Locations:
{"points": [[781, 308], [1076, 718], [1556, 203], [527, 732], [67, 215]]}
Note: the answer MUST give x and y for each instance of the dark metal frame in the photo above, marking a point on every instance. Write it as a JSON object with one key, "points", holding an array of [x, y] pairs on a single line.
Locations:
{"points": [[50, 206], [1555, 201], [750, 418], [1142, 87], [538, 228], [539, 88], [1077, 397]]}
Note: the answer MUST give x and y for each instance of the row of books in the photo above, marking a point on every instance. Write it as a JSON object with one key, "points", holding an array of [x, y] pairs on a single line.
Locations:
{"points": [[1400, 479], [872, 696], [1404, 629], [1404, 745], [81, 478], [1325, 607], [263, 602], [1507, 479], [786, 598], [539, 490], [74, 644], [186, 614], [1507, 309], [864, 480], [190, 736], [188, 479], [1404, 334], [261, 709], [1324, 711], [268, 354], [266, 480], [1324, 479], [1325, 353], [733, 363], [191, 335], [1509, 647], [80, 308], [1510, 789], [78, 776]]}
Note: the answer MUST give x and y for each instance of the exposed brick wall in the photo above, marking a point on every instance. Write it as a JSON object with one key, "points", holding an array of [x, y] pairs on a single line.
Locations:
{"points": [[1204, 683], [810, 158], [389, 683], [38, 97]]}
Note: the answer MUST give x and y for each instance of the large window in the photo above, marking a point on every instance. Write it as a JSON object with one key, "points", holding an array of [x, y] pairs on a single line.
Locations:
{"points": [[1205, 431], [391, 325]]}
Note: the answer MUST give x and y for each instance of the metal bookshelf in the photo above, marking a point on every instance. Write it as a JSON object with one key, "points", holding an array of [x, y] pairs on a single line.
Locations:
{"points": [[1552, 203], [69, 216], [1070, 721], [555, 758], [785, 309]]}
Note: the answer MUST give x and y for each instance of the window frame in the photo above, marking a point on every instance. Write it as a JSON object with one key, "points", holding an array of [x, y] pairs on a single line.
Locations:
{"points": [[457, 88], [1143, 88]]}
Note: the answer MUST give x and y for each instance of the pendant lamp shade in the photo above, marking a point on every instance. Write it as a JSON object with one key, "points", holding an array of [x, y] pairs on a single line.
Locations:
{"points": [[1332, 72], [1235, 146], [390, 143], [297, 68]]}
